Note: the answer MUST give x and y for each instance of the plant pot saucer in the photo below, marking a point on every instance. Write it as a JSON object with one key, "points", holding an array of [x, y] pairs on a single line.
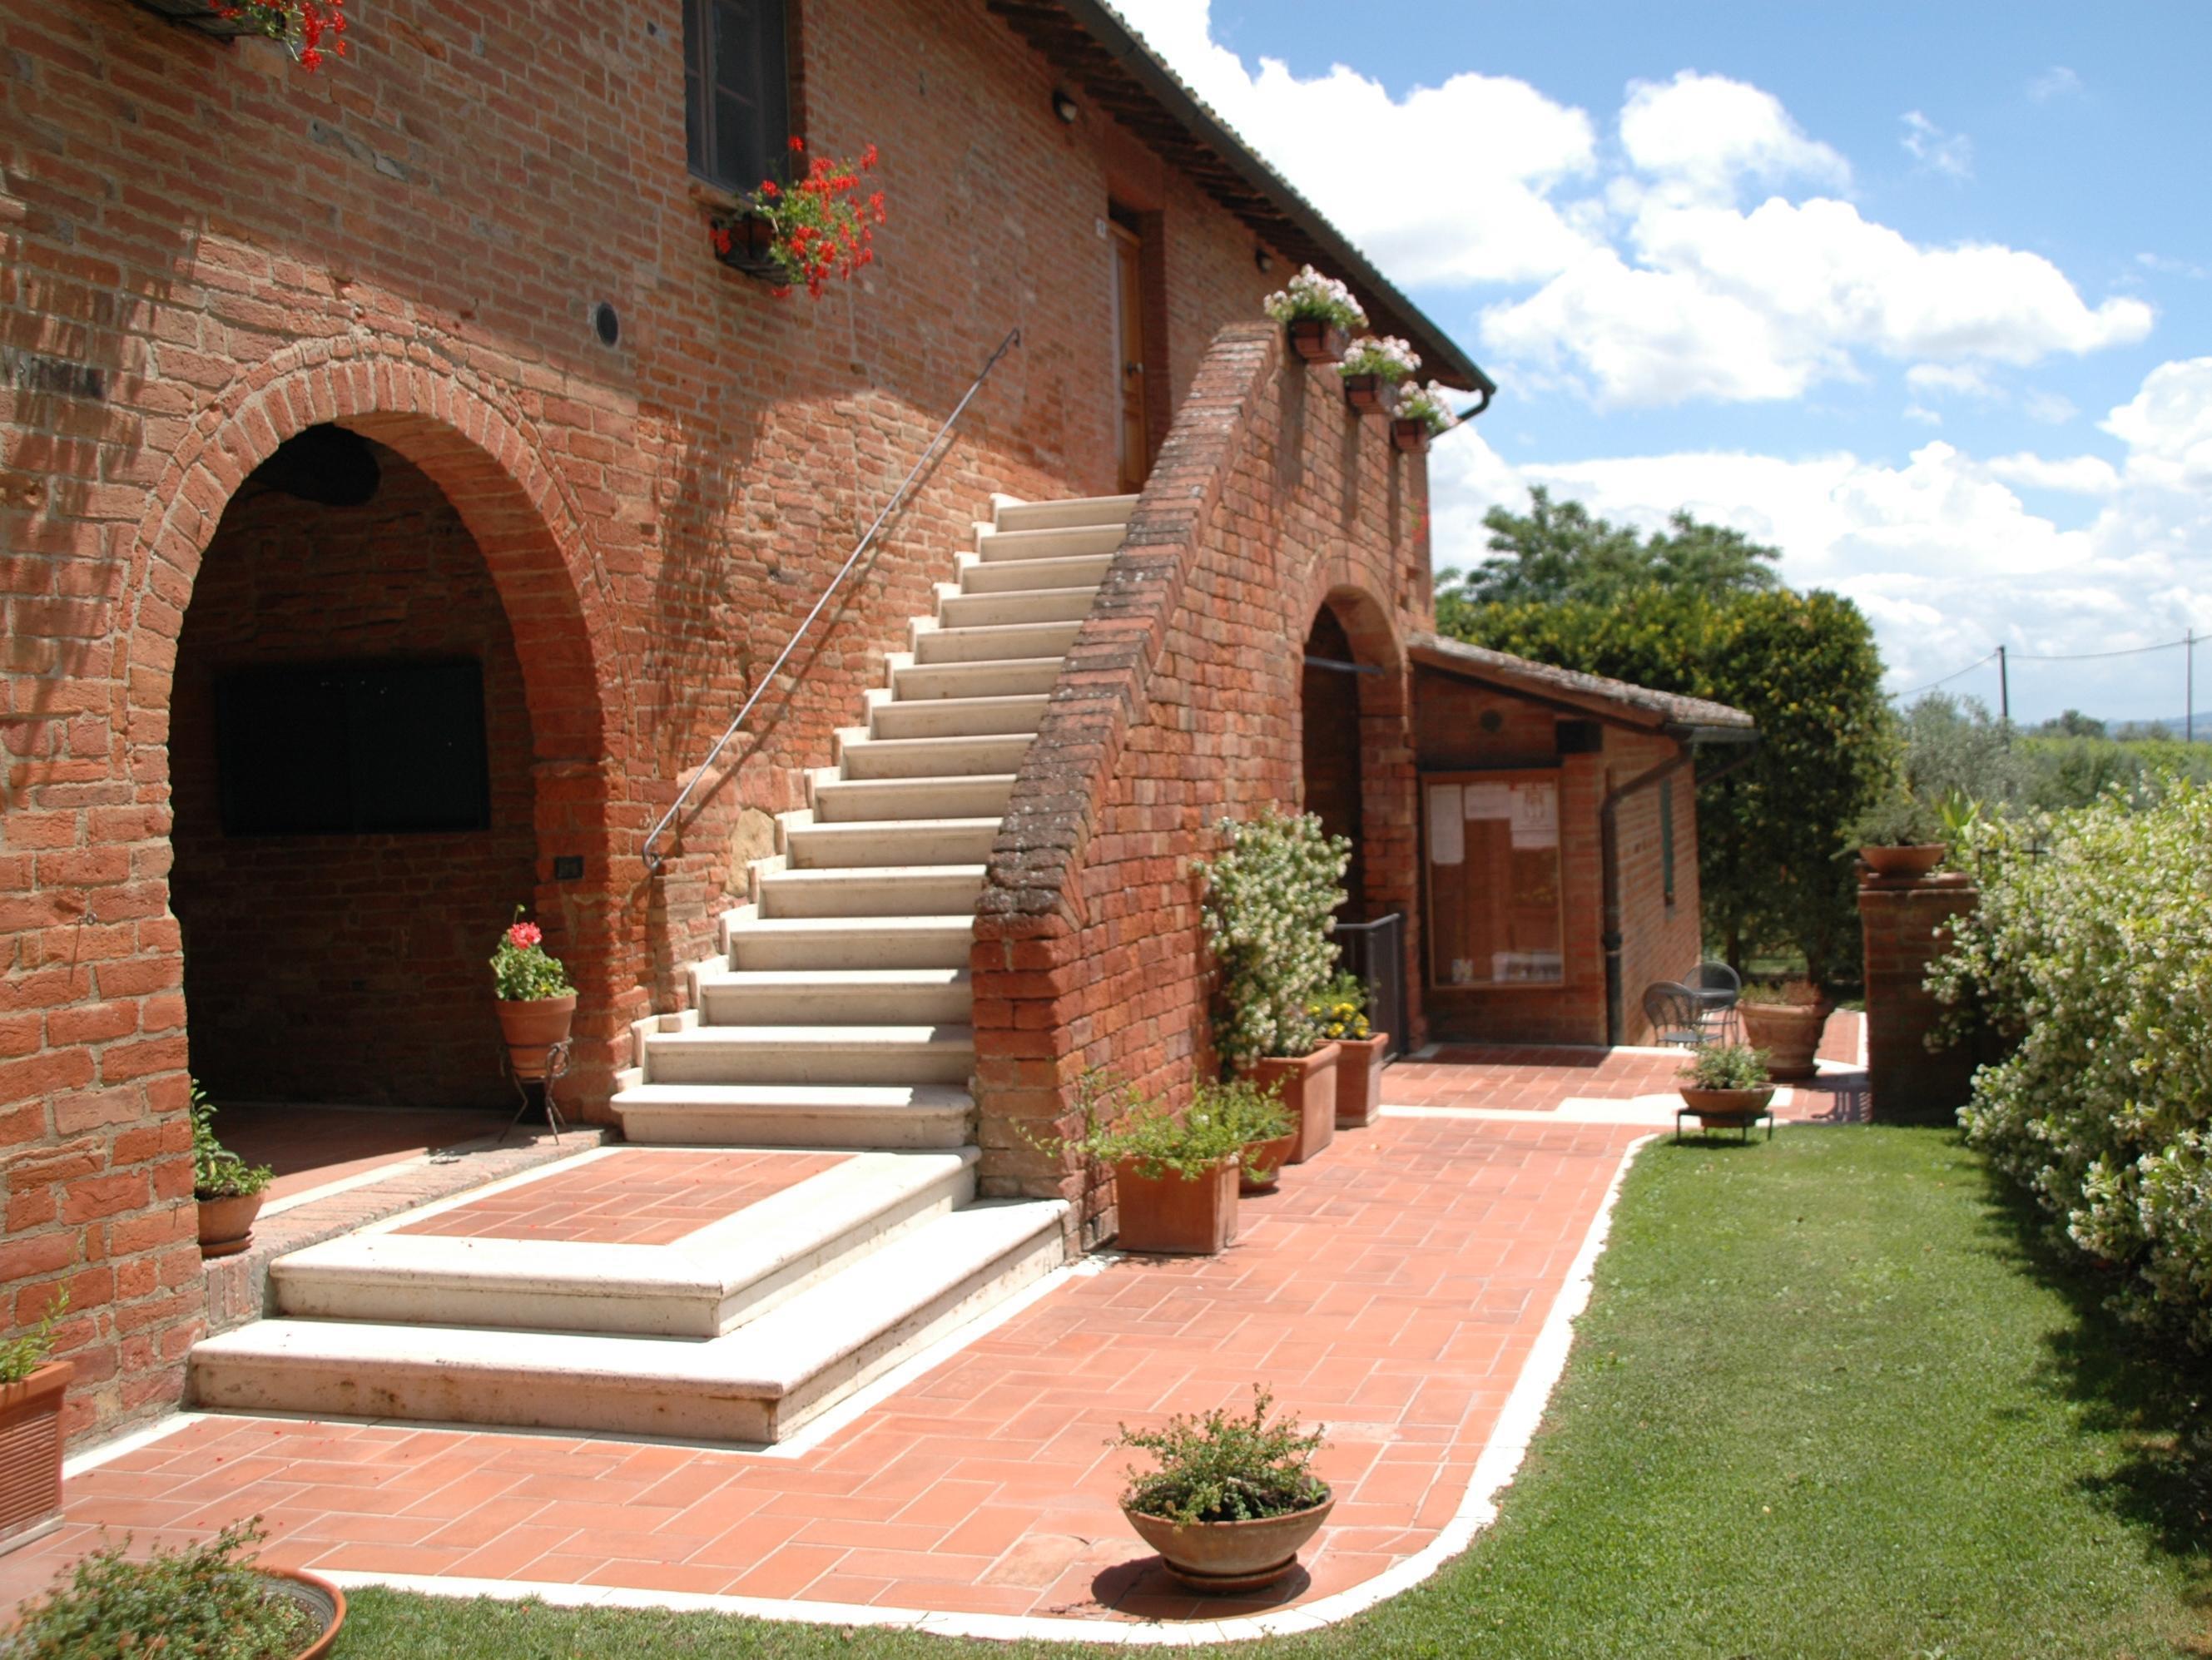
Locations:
{"points": [[1227, 1584], [226, 1248]]}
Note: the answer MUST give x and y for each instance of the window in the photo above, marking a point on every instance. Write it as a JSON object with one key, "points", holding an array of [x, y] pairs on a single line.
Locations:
{"points": [[1494, 879], [352, 748], [737, 104], [1667, 837]]}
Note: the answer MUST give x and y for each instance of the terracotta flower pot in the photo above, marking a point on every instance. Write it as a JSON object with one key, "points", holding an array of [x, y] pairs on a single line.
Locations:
{"points": [[317, 1596], [1411, 436], [532, 1026], [1175, 1215], [1267, 1157], [1360, 1080], [227, 1224], [1905, 861], [1370, 394], [1307, 1088], [1317, 340], [1726, 1108], [1788, 1032], [1230, 1556], [31, 1454]]}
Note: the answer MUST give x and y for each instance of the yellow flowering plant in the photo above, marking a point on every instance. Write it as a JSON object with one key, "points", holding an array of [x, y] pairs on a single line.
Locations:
{"points": [[1340, 1012]]}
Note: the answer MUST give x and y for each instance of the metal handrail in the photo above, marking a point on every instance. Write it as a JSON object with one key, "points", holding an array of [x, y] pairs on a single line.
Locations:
{"points": [[652, 859]]}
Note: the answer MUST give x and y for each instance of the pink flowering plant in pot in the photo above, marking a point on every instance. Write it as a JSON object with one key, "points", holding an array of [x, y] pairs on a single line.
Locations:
{"points": [[1373, 370], [537, 1004], [1318, 312]]}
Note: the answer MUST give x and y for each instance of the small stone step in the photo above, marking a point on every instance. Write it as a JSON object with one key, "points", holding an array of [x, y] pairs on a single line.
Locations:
{"points": [[812, 1054], [964, 756], [764, 943], [968, 611], [861, 997], [1011, 642], [1074, 510], [1085, 570], [994, 546], [843, 801], [966, 680], [872, 891], [758, 1383], [958, 717], [796, 1115], [709, 1282], [890, 842]]}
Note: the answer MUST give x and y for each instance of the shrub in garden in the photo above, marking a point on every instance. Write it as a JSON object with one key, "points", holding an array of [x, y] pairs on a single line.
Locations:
{"points": [[201, 1599], [2092, 954], [1222, 1466], [1269, 907]]}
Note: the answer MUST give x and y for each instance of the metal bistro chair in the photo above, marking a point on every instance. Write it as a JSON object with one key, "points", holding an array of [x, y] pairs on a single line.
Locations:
{"points": [[1718, 988], [1676, 1012]]}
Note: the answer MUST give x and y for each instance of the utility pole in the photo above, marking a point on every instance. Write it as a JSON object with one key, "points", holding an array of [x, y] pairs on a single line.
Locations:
{"points": [[2004, 694], [2188, 683]]}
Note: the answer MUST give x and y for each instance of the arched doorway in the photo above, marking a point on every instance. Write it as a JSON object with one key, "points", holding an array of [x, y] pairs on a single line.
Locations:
{"points": [[1329, 733]]}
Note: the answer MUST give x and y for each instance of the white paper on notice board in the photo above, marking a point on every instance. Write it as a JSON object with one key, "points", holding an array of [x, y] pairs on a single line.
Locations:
{"points": [[1535, 817], [1489, 801], [1447, 833]]}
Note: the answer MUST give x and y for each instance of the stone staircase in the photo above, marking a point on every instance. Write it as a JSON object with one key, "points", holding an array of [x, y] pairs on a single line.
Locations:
{"points": [[835, 1017]]}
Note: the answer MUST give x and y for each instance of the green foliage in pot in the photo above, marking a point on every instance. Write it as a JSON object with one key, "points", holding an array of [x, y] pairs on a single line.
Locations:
{"points": [[202, 1599], [522, 970], [1781, 995], [1895, 821], [217, 1172], [1249, 1112], [1222, 1466], [1120, 1123], [22, 1356], [1340, 1011], [1726, 1066], [1270, 906]]}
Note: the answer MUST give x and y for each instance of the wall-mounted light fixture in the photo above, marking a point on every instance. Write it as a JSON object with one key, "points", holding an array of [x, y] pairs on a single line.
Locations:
{"points": [[1263, 259], [1065, 106]]}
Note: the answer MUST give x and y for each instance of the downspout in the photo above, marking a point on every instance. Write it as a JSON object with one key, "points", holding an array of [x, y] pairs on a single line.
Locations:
{"points": [[1608, 823]]}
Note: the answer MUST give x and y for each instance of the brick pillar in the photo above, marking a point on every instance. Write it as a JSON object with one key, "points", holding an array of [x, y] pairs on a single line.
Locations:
{"points": [[1905, 924]]}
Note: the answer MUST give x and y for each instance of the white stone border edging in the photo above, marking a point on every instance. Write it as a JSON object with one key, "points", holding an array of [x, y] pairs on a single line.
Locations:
{"points": [[1494, 1470]]}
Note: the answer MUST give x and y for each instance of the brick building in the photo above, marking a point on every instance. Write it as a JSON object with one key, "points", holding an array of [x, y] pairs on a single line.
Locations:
{"points": [[399, 497]]}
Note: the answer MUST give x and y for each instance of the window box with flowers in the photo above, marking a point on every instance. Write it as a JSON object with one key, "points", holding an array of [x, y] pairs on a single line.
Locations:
{"points": [[311, 30], [1319, 314], [1423, 414], [537, 1004], [1373, 369], [804, 234]]}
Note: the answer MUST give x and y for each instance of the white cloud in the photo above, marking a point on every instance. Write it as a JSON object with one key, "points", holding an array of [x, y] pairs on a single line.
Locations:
{"points": [[1704, 135], [2167, 427], [1951, 153], [2052, 407], [1952, 379], [2056, 81], [2081, 475]]}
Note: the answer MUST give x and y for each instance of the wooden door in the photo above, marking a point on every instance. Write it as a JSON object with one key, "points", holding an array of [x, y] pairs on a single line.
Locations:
{"points": [[1134, 445]]}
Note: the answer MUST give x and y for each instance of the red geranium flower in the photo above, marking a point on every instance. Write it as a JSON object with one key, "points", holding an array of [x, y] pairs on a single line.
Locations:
{"points": [[523, 935]]}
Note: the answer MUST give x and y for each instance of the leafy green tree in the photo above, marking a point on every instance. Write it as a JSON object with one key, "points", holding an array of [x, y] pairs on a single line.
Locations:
{"points": [[1558, 550]]}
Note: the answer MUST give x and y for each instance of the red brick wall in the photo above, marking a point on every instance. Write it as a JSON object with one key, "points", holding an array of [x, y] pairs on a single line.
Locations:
{"points": [[1905, 922], [346, 967], [1179, 705], [206, 251]]}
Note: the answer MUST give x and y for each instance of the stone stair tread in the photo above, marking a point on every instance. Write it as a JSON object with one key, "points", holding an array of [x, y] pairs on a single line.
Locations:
{"points": [[794, 925], [713, 972], [1075, 511], [845, 875], [827, 1037], [811, 1098]]}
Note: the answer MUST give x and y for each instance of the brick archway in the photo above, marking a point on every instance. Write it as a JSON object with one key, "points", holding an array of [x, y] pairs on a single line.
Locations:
{"points": [[486, 459]]}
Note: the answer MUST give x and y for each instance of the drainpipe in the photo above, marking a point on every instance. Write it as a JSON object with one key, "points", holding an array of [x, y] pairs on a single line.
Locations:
{"points": [[1608, 823]]}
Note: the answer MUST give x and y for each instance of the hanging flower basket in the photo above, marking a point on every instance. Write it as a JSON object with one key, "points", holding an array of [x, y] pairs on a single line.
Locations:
{"points": [[802, 235], [201, 16], [1372, 370], [1319, 313], [1317, 341], [746, 242], [311, 30], [1409, 436]]}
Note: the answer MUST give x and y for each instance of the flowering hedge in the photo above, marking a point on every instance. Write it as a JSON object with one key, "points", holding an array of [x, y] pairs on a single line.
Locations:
{"points": [[2094, 957], [1270, 906]]}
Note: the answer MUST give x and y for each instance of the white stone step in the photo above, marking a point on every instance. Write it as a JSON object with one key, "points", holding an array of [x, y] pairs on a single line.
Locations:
{"points": [[995, 546], [812, 1054], [872, 891], [861, 997], [958, 717], [1085, 570], [964, 756], [708, 1283], [758, 1383], [761, 944], [842, 801], [796, 1115], [1074, 510], [890, 842], [966, 680], [1004, 642], [969, 610]]}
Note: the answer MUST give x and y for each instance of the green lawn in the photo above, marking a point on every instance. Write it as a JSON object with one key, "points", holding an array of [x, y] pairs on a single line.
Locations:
{"points": [[1830, 1400]]}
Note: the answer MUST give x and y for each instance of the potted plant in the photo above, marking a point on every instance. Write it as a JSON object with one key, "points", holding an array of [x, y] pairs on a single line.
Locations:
{"points": [[1725, 1084], [1784, 1021], [1423, 413], [1175, 1177], [1341, 1014], [537, 1004], [803, 234], [307, 29], [32, 1387], [1899, 835], [1269, 905], [210, 1598], [229, 1190], [1373, 369], [1318, 312], [1234, 1497], [1263, 1129]]}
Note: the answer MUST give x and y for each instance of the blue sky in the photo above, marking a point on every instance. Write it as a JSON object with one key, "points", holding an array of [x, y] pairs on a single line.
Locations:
{"points": [[1904, 289]]}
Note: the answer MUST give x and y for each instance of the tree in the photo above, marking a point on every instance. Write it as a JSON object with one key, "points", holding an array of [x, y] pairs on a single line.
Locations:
{"points": [[1558, 551], [2072, 724]]}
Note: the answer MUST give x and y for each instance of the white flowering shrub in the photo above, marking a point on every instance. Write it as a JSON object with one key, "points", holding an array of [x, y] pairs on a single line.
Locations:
{"points": [[1310, 295], [1430, 404], [1270, 906], [1384, 355], [2094, 957]]}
